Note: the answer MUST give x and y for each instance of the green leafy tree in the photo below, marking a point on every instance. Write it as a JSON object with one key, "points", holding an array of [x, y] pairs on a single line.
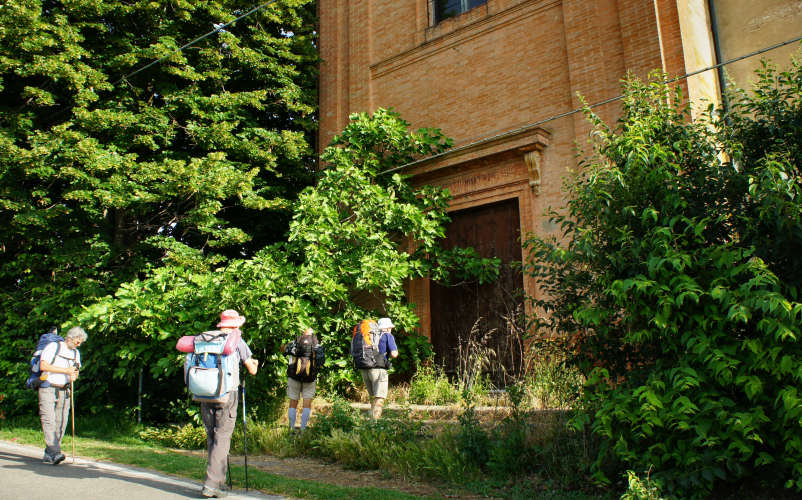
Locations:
{"points": [[348, 256], [675, 288], [361, 234], [107, 172]]}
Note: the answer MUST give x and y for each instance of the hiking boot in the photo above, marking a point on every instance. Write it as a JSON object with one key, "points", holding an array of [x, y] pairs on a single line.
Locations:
{"points": [[58, 458], [47, 459], [213, 492]]}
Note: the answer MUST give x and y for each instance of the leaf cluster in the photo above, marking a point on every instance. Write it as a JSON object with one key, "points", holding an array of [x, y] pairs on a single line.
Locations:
{"points": [[354, 242], [675, 287], [104, 178]]}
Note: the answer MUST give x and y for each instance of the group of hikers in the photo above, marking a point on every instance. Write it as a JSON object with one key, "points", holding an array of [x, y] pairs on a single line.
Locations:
{"points": [[212, 376]]}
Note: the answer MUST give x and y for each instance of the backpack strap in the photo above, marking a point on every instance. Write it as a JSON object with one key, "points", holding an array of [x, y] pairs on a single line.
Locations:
{"points": [[58, 350], [220, 373], [73, 359]]}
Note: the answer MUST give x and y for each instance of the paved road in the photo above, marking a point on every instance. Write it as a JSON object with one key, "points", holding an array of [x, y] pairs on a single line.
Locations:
{"points": [[24, 476]]}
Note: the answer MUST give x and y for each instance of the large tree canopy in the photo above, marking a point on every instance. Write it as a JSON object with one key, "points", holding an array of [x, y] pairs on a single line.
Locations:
{"points": [[104, 176], [348, 256], [353, 243]]}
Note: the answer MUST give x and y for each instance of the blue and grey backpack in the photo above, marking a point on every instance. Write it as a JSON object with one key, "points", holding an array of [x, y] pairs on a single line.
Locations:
{"points": [[34, 378], [209, 371]]}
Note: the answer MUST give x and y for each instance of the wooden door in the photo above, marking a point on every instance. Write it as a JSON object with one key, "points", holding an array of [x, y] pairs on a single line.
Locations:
{"points": [[494, 231]]}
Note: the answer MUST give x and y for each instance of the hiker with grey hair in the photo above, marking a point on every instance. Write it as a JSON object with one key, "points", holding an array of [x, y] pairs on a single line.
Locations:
{"points": [[59, 364]]}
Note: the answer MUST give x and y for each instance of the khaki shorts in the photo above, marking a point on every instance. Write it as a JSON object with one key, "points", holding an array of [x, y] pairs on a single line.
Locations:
{"points": [[296, 390], [375, 381]]}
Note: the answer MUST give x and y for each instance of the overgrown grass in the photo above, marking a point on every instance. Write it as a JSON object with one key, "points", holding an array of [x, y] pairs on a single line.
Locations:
{"points": [[547, 384], [430, 386], [524, 455]]}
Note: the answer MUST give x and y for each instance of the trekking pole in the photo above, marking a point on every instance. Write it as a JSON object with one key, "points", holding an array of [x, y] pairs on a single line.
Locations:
{"points": [[72, 414], [228, 462], [245, 432]]}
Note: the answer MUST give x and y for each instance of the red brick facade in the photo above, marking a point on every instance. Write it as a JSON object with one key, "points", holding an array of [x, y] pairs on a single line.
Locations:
{"points": [[483, 77]]}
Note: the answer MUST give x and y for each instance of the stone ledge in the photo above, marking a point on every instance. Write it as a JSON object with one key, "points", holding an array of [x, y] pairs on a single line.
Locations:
{"points": [[444, 412]]}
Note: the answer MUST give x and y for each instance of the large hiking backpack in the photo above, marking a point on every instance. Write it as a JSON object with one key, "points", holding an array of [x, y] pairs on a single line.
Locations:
{"points": [[306, 358], [34, 378], [210, 369], [365, 346]]}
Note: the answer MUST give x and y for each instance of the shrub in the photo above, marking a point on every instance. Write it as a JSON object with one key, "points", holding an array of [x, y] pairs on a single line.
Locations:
{"points": [[340, 416], [676, 287], [186, 437], [472, 440], [430, 386], [641, 489]]}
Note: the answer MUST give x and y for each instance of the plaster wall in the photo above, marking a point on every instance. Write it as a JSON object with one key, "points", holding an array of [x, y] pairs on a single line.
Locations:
{"points": [[748, 25]]}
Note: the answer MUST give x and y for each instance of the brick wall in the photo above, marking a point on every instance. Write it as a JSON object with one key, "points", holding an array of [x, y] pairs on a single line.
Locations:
{"points": [[493, 69]]}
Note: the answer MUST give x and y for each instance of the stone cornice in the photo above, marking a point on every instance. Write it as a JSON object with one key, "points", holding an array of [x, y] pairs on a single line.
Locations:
{"points": [[523, 139]]}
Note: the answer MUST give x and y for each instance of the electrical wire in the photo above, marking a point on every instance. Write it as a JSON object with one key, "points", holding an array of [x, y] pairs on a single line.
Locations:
{"points": [[530, 126], [217, 28], [221, 27]]}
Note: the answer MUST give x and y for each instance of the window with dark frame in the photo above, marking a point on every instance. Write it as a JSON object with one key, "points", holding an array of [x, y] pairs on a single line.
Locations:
{"points": [[443, 9]]}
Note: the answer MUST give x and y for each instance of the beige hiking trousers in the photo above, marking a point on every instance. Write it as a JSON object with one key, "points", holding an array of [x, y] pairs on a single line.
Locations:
{"points": [[54, 412]]}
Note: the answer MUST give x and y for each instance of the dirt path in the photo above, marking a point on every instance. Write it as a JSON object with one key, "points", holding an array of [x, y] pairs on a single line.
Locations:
{"points": [[320, 471], [317, 470]]}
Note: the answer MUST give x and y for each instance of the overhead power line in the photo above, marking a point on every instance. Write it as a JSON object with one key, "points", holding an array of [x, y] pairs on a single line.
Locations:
{"points": [[536, 124], [217, 28]]}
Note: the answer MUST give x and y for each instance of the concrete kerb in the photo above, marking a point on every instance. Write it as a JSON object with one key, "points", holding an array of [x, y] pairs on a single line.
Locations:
{"points": [[154, 486]]}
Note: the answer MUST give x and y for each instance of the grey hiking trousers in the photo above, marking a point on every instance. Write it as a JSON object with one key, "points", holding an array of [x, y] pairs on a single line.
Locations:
{"points": [[219, 420], [54, 411]]}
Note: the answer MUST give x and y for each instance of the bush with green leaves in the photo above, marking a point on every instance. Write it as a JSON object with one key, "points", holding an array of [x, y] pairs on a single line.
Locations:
{"points": [[109, 177], [185, 437], [641, 489], [675, 286], [346, 257]]}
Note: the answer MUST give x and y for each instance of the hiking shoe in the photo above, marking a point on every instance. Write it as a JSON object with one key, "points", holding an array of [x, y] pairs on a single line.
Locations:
{"points": [[212, 492], [58, 458], [47, 459]]}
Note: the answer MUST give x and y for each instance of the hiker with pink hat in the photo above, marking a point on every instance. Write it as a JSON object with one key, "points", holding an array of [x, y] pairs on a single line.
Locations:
{"points": [[230, 319], [219, 418]]}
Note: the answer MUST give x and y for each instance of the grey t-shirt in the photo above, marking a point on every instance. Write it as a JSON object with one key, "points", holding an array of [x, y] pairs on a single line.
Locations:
{"points": [[243, 352]]}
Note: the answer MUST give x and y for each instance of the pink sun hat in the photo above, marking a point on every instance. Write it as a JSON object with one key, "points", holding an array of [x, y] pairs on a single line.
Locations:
{"points": [[230, 319]]}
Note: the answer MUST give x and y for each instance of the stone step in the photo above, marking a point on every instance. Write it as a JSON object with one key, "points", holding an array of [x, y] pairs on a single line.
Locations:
{"points": [[443, 412]]}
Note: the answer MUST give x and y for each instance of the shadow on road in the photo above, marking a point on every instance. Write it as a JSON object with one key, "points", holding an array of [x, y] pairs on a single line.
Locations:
{"points": [[89, 471]]}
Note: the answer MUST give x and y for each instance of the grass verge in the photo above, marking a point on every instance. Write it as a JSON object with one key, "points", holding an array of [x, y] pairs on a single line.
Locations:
{"points": [[104, 442]]}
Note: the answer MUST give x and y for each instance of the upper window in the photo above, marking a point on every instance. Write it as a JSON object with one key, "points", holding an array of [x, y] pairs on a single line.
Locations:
{"points": [[443, 9]]}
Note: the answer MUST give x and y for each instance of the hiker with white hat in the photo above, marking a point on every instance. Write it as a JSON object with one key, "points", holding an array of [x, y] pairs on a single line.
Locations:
{"points": [[376, 379]]}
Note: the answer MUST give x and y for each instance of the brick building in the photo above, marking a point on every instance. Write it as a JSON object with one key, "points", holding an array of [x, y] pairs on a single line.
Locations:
{"points": [[484, 71]]}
